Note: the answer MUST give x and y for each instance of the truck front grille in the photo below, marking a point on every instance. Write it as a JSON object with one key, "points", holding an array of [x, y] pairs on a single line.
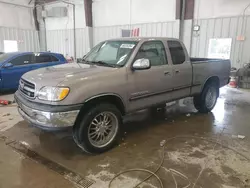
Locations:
{"points": [[27, 88]]}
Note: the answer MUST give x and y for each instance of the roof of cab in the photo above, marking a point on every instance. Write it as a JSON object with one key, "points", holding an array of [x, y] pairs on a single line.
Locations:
{"points": [[16, 53], [141, 38], [19, 53]]}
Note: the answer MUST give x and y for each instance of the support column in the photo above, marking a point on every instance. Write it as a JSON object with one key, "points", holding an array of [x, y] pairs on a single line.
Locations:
{"points": [[185, 13], [41, 29], [89, 21]]}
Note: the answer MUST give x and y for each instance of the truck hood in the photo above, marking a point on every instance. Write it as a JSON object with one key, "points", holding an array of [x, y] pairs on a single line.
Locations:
{"points": [[55, 75]]}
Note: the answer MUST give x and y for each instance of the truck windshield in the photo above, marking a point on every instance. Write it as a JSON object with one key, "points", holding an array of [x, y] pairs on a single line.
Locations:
{"points": [[111, 53]]}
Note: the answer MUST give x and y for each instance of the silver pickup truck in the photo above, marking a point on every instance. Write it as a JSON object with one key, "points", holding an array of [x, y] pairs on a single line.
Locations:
{"points": [[117, 77]]}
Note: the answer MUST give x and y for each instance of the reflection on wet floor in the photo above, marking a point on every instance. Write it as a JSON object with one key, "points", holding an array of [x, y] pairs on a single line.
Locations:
{"points": [[139, 146]]}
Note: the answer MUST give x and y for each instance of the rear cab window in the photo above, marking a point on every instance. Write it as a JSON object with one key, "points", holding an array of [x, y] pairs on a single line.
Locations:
{"points": [[53, 58], [177, 52], [42, 58]]}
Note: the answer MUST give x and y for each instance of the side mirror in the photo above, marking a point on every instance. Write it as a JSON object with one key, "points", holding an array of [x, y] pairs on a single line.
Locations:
{"points": [[141, 64], [8, 65]]}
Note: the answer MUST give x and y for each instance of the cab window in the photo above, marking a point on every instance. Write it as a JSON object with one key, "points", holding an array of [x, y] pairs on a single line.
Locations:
{"points": [[21, 60], [177, 52], [154, 51], [42, 58]]}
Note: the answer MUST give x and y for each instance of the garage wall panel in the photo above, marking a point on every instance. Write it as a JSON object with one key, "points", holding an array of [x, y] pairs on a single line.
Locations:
{"points": [[27, 39], [228, 27], [123, 12], [14, 16], [246, 45], [235, 30], [107, 32], [203, 35], [161, 29], [66, 22], [225, 29], [62, 41], [220, 8]]}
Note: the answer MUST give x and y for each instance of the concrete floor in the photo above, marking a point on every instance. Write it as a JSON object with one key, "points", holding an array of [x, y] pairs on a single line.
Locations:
{"points": [[9, 115], [18, 171], [202, 163]]}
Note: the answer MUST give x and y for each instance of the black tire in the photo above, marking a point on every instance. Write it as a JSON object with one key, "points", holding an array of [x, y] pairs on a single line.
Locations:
{"points": [[80, 131], [200, 100]]}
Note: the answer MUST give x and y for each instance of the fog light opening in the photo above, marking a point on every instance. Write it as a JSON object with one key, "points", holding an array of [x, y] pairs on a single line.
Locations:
{"points": [[41, 118]]}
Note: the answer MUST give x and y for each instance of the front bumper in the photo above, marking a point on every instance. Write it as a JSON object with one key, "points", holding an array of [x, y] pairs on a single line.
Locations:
{"points": [[47, 117]]}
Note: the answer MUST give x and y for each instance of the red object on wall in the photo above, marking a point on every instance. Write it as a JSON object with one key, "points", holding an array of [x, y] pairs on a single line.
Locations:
{"points": [[135, 32]]}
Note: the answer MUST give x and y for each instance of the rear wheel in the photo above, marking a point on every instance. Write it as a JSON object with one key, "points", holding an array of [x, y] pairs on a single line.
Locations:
{"points": [[99, 129], [206, 101]]}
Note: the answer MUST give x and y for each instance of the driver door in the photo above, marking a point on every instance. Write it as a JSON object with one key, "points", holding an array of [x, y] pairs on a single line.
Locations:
{"points": [[154, 85], [11, 75]]}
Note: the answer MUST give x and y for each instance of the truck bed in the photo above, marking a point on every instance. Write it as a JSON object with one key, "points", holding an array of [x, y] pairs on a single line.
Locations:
{"points": [[204, 68], [203, 60]]}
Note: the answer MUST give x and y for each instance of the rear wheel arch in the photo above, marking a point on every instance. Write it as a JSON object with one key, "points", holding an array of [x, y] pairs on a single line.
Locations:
{"points": [[212, 80], [200, 100]]}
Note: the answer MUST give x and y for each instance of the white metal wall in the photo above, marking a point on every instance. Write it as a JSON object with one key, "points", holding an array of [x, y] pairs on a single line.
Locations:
{"points": [[16, 16], [220, 8], [62, 41], [161, 29], [122, 12], [27, 39], [228, 27]]}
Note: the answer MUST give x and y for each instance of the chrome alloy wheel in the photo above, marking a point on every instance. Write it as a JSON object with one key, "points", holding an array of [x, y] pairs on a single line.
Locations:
{"points": [[103, 129], [211, 97]]}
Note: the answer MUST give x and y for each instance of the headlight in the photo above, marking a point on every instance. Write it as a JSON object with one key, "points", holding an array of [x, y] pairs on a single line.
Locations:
{"points": [[53, 93]]}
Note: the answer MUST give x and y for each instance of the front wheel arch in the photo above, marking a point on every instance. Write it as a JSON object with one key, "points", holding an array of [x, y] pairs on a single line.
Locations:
{"points": [[80, 132], [103, 98]]}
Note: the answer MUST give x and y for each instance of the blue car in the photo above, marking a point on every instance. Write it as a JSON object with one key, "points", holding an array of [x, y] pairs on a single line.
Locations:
{"points": [[14, 65]]}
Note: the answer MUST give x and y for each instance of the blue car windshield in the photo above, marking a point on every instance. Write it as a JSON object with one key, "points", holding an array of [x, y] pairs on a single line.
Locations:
{"points": [[3, 57]]}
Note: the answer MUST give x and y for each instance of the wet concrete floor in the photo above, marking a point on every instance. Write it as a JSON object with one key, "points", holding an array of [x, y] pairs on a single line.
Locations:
{"points": [[20, 172], [206, 152]]}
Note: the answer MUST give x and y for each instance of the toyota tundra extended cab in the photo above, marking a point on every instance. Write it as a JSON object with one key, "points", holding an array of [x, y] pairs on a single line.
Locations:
{"points": [[117, 77]]}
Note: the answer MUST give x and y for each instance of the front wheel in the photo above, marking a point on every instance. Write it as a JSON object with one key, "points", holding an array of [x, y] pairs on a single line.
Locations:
{"points": [[99, 129], [206, 101]]}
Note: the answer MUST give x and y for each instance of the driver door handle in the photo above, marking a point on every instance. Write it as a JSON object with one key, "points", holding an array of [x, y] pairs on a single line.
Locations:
{"points": [[177, 71], [166, 73]]}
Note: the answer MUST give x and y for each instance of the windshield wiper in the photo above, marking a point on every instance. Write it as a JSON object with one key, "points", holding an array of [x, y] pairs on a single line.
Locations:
{"points": [[84, 61], [102, 63]]}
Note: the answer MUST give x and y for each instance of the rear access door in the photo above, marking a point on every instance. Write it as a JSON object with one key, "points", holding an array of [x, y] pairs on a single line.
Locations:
{"points": [[182, 69], [44, 60]]}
